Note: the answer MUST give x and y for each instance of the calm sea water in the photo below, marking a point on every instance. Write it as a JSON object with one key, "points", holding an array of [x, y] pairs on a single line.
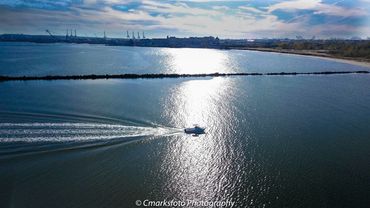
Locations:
{"points": [[289, 141], [71, 59]]}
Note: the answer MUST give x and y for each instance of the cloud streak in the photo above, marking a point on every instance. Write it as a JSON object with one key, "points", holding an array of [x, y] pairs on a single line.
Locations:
{"points": [[234, 19]]}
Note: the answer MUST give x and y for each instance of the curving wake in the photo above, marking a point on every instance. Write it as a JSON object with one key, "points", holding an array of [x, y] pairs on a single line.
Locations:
{"points": [[64, 132]]}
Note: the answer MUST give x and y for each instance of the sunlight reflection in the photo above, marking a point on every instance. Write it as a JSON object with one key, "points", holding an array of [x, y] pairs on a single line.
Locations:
{"points": [[192, 61], [198, 166], [197, 101]]}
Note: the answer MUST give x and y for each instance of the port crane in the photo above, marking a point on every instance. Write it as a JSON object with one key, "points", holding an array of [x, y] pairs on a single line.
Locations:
{"points": [[51, 35], [299, 37]]}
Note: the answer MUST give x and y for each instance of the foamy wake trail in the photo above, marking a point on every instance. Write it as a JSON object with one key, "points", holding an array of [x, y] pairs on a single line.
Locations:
{"points": [[62, 132]]}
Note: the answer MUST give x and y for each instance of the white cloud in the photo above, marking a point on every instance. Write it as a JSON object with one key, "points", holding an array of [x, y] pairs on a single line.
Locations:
{"points": [[295, 5], [214, 0], [176, 8], [333, 10], [318, 7], [238, 22], [220, 8]]}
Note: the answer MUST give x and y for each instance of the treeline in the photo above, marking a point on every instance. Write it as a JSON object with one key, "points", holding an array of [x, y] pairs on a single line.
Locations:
{"points": [[343, 48], [160, 76]]}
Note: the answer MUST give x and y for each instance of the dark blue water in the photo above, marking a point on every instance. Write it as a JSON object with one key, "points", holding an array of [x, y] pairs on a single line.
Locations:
{"points": [[292, 141]]}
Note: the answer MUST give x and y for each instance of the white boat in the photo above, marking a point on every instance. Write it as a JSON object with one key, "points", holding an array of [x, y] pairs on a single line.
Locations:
{"points": [[196, 130]]}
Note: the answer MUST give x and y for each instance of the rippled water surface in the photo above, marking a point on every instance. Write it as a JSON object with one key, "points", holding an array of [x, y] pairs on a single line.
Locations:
{"points": [[74, 59], [289, 141]]}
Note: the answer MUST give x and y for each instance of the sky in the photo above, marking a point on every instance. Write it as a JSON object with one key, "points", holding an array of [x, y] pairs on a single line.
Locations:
{"points": [[180, 18]]}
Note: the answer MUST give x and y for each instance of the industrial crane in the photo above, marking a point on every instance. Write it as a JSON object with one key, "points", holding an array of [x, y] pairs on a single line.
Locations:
{"points": [[51, 35]]}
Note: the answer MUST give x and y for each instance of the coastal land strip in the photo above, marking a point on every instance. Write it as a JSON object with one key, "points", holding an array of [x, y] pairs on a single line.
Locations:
{"points": [[318, 54], [160, 76]]}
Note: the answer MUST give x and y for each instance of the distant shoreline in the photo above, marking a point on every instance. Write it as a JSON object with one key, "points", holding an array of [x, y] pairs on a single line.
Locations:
{"points": [[353, 61], [161, 76], [212, 43]]}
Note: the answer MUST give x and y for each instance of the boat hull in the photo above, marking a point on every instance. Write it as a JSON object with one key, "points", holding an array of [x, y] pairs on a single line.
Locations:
{"points": [[194, 130]]}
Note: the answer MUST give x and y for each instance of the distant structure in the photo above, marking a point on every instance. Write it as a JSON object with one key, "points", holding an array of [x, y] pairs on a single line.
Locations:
{"points": [[356, 38], [51, 35], [133, 37], [308, 43], [71, 33], [194, 42]]}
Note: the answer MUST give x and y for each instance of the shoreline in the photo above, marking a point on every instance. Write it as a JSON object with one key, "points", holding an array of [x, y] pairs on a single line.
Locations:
{"points": [[325, 56], [309, 53], [161, 76]]}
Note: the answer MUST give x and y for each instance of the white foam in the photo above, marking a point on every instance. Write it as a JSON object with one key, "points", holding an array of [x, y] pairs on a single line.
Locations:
{"points": [[62, 132]]}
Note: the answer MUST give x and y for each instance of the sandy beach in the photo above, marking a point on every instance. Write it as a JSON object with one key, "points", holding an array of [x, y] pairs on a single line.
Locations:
{"points": [[347, 60]]}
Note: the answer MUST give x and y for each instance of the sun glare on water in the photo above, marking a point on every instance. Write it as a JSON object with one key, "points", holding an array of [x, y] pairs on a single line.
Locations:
{"points": [[193, 61], [198, 163]]}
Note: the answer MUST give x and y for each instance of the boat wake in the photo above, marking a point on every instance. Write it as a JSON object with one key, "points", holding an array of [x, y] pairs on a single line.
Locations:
{"points": [[68, 132]]}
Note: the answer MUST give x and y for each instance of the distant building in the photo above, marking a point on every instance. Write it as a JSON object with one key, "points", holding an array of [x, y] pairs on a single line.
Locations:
{"points": [[356, 38], [195, 42]]}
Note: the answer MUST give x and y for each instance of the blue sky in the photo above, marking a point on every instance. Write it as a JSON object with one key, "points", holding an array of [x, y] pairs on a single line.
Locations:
{"points": [[226, 19]]}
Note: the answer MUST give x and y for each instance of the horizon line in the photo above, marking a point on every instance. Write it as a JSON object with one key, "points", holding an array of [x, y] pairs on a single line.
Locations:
{"points": [[169, 36]]}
